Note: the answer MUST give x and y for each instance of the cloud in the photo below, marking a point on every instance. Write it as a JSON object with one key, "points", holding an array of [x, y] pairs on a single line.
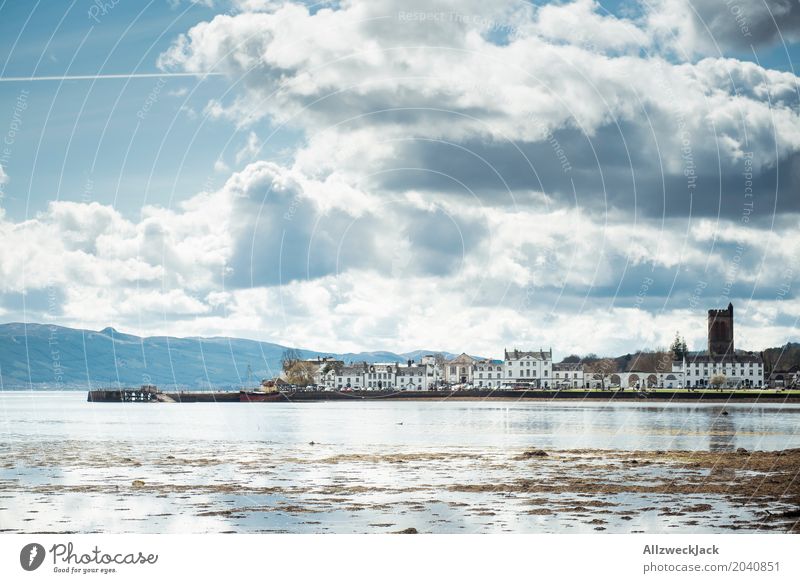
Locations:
{"points": [[250, 149], [466, 112], [465, 175], [255, 5], [357, 311], [582, 23], [711, 27], [3, 175], [179, 92], [278, 255]]}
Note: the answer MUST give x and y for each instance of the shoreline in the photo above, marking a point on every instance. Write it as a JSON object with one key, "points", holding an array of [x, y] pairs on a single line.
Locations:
{"points": [[502, 395]]}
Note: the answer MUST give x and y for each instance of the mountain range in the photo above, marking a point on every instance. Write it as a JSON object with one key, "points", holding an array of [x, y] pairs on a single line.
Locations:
{"points": [[43, 356]]}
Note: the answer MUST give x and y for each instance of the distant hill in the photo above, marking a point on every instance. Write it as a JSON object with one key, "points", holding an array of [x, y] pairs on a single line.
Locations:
{"points": [[45, 356]]}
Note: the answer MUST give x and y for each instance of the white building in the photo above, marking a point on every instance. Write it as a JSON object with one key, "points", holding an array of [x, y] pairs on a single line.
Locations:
{"points": [[740, 370], [458, 371], [487, 374], [433, 371], [528, 369], [326, 380], [381, 375], [635, 379], [412, 377], [349, 377], [568, 375], [324, 366], [781, 378]]}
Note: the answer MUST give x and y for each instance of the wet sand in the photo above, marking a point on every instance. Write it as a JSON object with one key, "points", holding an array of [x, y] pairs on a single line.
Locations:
{"points": [[86, 486]]}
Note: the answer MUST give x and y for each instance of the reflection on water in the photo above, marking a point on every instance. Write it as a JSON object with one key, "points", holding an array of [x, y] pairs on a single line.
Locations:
{"points": [[721, 432]]}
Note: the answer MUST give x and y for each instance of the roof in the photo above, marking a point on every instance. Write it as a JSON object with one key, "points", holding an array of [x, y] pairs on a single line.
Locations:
{"points": [[418, 369], [518, 354], [489, 361], [462, 358], [792, 370], [744, 357], [577, 366], [323, 360]]}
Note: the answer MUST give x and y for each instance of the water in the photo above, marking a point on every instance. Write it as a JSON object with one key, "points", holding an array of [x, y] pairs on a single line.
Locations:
{"points": [[30, 417], [69, 465]]}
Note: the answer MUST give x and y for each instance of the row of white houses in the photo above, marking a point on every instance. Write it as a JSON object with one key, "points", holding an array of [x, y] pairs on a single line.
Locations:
{"points": [[534, 370]]}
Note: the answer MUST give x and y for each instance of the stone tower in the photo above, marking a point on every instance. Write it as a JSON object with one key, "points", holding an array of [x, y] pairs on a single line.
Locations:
{"points": [[720, 332]]}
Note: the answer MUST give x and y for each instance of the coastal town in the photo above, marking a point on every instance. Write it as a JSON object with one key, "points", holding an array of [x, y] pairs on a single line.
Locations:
{"points": [[721, 366]]}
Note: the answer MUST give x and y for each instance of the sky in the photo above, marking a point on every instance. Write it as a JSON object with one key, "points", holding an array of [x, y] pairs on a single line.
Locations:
{"points": [[401, 175]]}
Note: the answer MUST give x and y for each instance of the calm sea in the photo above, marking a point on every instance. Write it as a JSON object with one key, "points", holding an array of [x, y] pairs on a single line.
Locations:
{"points": [[46, 416], [69, 465]]}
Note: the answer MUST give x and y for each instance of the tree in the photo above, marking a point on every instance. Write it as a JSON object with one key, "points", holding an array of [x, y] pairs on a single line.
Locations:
{"points": [[782, 357], [678, 348], [290, 357], [295, 370], [301, 373], [659, 360], [601, 369], [717, 380]]}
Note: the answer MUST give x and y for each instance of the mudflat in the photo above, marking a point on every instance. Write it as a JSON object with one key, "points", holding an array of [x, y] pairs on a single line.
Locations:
{"points": [[83, 486]]}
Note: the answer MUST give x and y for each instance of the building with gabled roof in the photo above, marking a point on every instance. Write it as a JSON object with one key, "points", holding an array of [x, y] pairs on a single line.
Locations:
{"points": [[458, 371], [528, 369], [568, 375], [487, 374]]}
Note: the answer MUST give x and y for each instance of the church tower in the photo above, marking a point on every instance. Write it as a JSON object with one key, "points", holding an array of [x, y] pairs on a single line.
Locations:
{"points": [[720, 332]]}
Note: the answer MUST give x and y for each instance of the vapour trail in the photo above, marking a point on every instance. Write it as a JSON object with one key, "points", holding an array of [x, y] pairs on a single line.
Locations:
{"points": [[109, 76]]}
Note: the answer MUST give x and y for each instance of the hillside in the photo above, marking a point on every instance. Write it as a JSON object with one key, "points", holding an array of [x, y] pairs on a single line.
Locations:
{"points": [[45, 356]]}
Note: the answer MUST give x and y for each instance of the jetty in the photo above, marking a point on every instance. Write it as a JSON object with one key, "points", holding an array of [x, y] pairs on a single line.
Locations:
{"points": [[151, 394]]}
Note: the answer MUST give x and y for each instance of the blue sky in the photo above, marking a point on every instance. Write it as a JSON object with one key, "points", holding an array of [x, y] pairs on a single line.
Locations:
{"points": [[396, 175], [82, 139]]}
